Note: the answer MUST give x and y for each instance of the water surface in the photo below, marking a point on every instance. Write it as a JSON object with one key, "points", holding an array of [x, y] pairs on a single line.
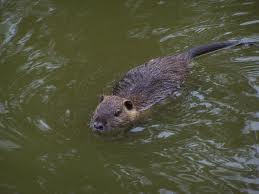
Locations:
{"points": [[57, 57]]}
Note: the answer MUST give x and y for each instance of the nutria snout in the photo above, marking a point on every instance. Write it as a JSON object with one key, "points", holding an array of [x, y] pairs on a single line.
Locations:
{"points": [[148, 84]]}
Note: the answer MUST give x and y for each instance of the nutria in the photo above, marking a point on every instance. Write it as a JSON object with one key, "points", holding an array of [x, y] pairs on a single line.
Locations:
{"points": [[148, 84]]}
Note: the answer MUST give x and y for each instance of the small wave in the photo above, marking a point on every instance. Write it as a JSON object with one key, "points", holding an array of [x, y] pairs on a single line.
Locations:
{"points": [[42, 125], [247, 59], [240, 13], [8, 145], [249, 23]]}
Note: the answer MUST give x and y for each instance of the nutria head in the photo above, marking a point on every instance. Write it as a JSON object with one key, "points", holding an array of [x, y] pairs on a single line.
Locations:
{"points": [[113, 112]]}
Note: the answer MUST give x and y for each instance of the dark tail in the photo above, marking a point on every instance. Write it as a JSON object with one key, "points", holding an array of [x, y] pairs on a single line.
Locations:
{"points": [[203, 49]]}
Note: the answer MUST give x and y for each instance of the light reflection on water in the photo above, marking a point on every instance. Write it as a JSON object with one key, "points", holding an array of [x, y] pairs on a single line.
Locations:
{"points": [[56, 58]]}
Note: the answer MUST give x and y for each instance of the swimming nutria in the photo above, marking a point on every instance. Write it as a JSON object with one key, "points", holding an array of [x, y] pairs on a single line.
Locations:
{"points": [[148, 84]]}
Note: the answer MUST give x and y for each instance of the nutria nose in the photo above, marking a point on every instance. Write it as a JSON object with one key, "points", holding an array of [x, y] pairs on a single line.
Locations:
{"points": [[98, 125]]}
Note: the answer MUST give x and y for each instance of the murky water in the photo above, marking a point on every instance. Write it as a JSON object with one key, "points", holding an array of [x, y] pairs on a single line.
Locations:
{"points": [[56, 57]]}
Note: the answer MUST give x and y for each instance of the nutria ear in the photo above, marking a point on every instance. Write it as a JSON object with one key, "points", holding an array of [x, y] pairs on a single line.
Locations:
{"points": [[101, 98], [128, 104]]}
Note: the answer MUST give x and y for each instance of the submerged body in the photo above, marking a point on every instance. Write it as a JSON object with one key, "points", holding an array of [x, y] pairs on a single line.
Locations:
{"points": [[147, 84]]}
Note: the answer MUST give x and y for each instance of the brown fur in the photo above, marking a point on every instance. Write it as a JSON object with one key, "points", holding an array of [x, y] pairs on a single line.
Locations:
{"points": [[106, 112], [146, 85]]}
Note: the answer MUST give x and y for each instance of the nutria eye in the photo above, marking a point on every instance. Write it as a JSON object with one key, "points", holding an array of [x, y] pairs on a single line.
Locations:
{"points": [[117, 113], [128, 104]]}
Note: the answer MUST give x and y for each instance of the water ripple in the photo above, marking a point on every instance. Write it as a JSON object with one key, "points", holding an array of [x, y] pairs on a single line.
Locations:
{"points": [[8, 145], [205, 140], [249, 23]]}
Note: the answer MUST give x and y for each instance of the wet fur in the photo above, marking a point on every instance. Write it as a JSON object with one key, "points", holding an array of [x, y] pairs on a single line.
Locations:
{"points": [[150, 83], [153, 81]]}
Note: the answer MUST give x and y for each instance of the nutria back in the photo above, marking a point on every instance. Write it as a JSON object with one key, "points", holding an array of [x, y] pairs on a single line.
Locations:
{"points": [[153, 81]]}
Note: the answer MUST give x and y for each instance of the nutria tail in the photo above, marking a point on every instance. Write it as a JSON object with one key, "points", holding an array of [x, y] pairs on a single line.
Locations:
{"points": [[203, 49]]}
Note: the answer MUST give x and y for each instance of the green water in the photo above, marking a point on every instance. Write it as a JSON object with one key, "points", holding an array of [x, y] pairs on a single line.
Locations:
{"points": [[57, 57]]}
